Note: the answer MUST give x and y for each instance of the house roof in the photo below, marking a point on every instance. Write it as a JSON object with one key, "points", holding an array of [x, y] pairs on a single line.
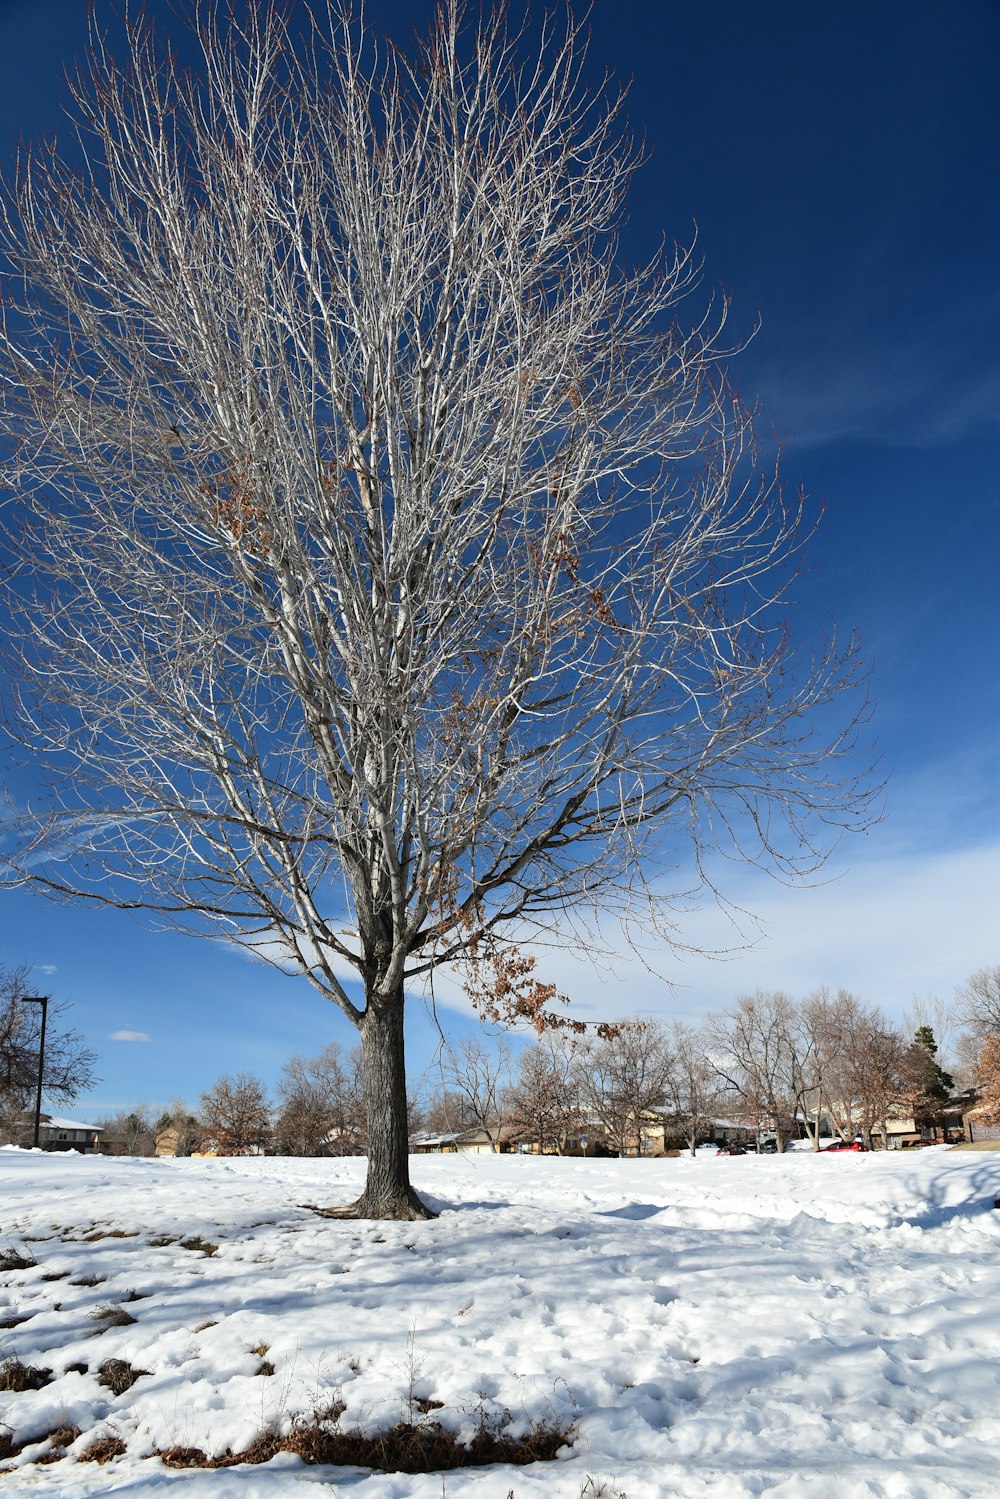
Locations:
{"points": [[53, 1121], [472, 1136]]}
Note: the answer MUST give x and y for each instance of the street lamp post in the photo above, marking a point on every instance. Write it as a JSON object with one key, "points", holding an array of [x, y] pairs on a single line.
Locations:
{"points": [[38, 999]]}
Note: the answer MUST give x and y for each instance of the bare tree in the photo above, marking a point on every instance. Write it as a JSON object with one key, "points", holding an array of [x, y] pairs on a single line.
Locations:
{"points": [[753, 1051], [448, 1112], [692, 1084], [235, 1116], [395, 572], [544, 1103], [322, 1105], [481, 1075], [129, 1132], [819, 1028], [864, 1075], [623, 1077], [68, 1062], [978, 1002]]}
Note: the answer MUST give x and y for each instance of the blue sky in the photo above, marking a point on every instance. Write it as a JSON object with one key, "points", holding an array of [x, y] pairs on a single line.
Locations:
{"points": [[839, 161]]}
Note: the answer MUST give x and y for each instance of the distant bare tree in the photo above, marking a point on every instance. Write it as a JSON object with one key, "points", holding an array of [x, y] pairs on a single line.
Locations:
{"points": [[235, 1116], [68, 1062], [692, 1084], [864, 1077], [322, 1105], [624, 1076], [753, 1050], [544, 1102], [129, 1132], [481, 1074], [395, 572], [448, 1112], [978, 1002], [819, 1035]]}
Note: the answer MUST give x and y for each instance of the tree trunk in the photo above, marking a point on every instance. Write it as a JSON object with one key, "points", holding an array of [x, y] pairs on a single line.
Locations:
{"points": [[387, 1192]]}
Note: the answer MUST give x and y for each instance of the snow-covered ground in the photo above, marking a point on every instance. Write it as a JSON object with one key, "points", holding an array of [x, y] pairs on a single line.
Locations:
{"points": [[793, 1326]]}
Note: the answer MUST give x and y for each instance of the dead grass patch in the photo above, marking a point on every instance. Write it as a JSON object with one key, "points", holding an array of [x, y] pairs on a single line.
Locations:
{"points": [[162, 1240], [58, 1440], [16, 1377], [14, 1259], [404, 1448], [111, 1315], [89, 1280], [110, 1233], [198, 1243], [117, 1375], [103, 1450]]}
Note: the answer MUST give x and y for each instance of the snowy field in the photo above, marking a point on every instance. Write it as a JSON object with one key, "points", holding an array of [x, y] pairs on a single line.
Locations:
{"points": [[796, 1327]]}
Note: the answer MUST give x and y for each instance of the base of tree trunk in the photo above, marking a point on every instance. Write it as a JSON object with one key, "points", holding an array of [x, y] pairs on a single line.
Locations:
{"points": [[405, 1207]]}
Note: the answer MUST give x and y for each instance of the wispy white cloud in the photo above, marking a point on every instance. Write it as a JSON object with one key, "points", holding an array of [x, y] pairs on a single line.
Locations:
{"points": [[899, 395], [890, 928], [47, 968], [129, 1036]]}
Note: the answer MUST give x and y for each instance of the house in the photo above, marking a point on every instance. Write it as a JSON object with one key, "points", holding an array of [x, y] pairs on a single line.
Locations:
{"points": [[591, 1144], [55, 1133], [461, 1142], [168, 1141], [729, 1132], [952, 1123], [974, 1131]]}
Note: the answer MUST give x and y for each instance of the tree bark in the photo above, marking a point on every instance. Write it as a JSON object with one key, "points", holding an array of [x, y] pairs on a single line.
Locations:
{"points": [[387, 1193]]}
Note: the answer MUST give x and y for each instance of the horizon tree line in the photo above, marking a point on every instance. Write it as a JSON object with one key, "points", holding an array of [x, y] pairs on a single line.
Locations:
{"points": [[766, 1062]]}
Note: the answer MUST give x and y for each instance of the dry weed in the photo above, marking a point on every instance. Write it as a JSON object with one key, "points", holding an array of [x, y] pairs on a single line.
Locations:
{"points": [[111, 1315], [16, 1377], [117, 1375], [13, 1259], [103, 1450], [198, 1243]]}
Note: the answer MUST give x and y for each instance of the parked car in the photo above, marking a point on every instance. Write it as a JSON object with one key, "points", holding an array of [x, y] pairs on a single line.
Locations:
{"points": [[856, 1145], [768, 1147], [731, 1149]]}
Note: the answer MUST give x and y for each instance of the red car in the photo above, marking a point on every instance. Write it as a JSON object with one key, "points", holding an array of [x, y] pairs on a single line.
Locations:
{"points": [[845, 1145], [732, 1149]]}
